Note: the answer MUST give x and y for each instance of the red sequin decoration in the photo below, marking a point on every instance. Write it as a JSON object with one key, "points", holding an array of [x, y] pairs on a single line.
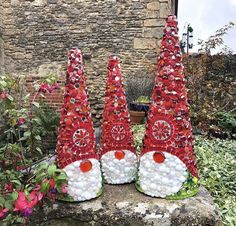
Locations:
{"points": [[76, 140], [168, 125], [116, 127]]}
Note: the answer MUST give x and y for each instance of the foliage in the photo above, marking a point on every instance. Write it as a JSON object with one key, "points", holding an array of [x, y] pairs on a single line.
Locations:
{"points": [[216, 40], [48, 119], [138, 131], [210, 80], [24, 184], [226, 120], [216, 164], [143, 99]]}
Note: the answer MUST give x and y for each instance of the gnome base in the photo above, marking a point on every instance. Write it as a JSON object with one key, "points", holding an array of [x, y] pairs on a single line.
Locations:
{"points": [[189, 189], [159, 177], [68, 198], [84, 181], [119, 167]]}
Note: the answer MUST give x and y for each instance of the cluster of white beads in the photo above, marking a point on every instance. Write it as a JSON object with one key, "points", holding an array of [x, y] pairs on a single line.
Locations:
{"points": [[161, 179], [83, 185], [117, 171]]}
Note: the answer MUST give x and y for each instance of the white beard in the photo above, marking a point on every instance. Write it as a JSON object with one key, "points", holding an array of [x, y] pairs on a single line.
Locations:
{"points": [[84, 185], [119, 171], [161, 179]]}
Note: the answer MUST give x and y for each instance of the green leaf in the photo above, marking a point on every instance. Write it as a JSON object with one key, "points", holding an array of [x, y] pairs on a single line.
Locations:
{"points": [[36, 86], [36, 104], [17, 182], [39, 150], [45, 187], [51, 170], [3, 83], [2, 201], [24, 126], [9, 97], [27, 134], [37, 137], [26, 96], [61, 177], [8, 204], [48, 80], [14, 196], [40, 177]]}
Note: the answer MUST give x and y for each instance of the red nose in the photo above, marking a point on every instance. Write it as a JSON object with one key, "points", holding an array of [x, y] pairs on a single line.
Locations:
{"points": [[159, 157], [119, 155], [85, 166]]}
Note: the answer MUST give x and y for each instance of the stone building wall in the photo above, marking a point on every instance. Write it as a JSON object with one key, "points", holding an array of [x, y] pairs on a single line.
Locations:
{"points": [[1, 38], [36, 33]]}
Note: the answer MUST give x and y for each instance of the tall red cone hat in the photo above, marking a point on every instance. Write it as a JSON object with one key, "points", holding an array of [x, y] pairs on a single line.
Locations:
{"points": [[119, 160], [167, 163], [76, 153]]}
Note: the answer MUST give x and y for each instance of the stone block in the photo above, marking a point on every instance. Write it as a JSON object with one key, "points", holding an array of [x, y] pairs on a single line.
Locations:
{"points": [[164, 10], [144, 43], [123, 206], [150, 14], [39, 2], [155, 32], [154, 23], [15, 2], [153, 5]]}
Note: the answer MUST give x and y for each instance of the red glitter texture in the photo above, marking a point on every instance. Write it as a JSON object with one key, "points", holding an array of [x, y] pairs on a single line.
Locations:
{"points": [[116, 127], [168, 127], [76, 140]]}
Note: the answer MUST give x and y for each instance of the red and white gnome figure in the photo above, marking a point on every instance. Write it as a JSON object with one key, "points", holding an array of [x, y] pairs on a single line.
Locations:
{"points": [[167, 159], [119, 160], [75, 150]]}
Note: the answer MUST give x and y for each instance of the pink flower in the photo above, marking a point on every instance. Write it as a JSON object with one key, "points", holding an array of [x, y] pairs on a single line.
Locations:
{"points": [[46, 88], [3, 95], [3, 212], [43, 88], [64, 188], [21, 202], [8, 187], [55, 86], [24, 204], [21, 121]]}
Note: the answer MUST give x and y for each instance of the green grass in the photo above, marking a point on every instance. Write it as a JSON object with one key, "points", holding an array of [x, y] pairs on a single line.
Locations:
{"points": [[217, 169]]}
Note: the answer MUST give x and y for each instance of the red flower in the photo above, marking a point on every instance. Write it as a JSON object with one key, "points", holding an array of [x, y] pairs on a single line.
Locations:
{"points": [[8, 187], [21, 121], [3, 95], [43, 88], [3, 212], [51, 183], [46, 88]]}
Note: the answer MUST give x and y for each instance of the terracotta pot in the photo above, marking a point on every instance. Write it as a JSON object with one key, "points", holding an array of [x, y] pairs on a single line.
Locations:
{"points": [[137, 106], [137, 117]]}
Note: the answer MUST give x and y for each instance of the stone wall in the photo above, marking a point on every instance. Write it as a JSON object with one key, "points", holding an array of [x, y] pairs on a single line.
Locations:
{"points": [[123, 206], [1, 38], [36, 34]]}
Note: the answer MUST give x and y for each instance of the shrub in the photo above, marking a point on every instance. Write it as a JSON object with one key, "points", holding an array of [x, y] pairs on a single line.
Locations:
{"points": [[24, 184]]}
